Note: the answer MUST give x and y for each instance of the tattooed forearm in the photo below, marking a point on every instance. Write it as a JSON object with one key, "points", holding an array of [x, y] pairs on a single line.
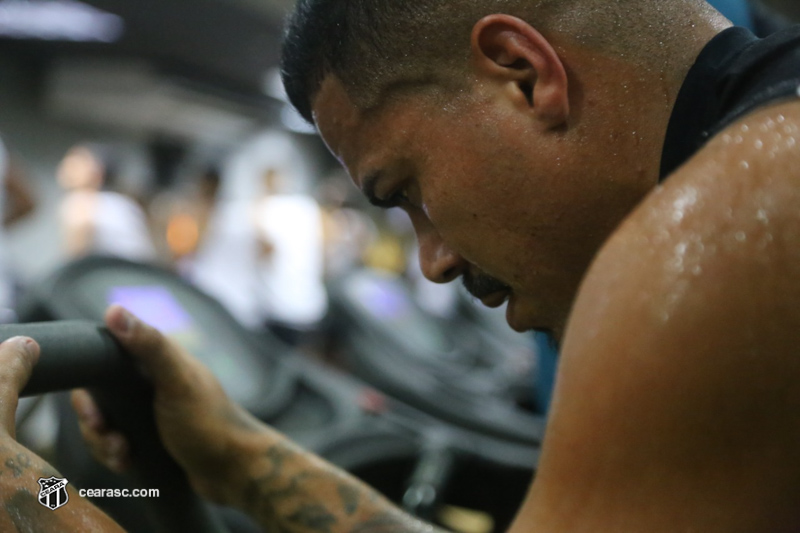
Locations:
{"points": [[294, 491]]}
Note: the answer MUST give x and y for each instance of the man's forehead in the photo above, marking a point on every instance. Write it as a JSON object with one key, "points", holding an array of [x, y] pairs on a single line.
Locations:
{"points": [[366, 141], [359, 139]]}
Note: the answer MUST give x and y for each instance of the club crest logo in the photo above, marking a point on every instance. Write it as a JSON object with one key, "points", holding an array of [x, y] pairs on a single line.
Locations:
{"points": [[53, 492]]}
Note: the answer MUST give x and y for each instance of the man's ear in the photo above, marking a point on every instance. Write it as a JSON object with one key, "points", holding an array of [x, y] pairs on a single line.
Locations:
{"points": [[508, 48]]}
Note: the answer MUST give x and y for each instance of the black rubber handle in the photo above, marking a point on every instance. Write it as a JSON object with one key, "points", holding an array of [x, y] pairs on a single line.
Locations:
{"points": [[74, 353], [79, 353]]}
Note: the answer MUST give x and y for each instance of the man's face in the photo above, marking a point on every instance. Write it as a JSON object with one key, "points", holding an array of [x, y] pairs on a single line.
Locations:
{"points": [[517, 210]]}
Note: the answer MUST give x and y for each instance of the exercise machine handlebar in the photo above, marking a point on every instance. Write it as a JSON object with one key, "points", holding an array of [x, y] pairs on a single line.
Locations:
{"points": [[82, 353]]}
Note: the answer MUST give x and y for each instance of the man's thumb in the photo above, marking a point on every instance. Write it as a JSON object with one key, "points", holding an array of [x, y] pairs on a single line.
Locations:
{"points": [[18, 355], [162, 363]]}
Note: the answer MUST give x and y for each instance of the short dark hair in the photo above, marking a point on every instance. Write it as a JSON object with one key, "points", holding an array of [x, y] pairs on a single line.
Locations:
{"points": [[375, 46], [368, 44]]}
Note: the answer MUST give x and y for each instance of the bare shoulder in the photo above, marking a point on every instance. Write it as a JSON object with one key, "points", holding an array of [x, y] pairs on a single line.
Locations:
{"points": [[678, 401]]}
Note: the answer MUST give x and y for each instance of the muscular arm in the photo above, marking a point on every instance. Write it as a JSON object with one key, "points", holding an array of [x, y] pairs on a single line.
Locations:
{"points": [[678, 402]]}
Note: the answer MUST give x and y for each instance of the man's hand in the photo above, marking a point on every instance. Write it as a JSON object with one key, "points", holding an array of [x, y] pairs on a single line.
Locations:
{"points": [[17, 357], [229, 456], [209, 435], [20, 469]]}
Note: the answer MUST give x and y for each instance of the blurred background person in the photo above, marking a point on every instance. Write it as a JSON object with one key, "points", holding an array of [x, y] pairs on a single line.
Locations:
{"points": [[95, 219], [16, 202], [259, 238], [213, 244], [291, 267], [181, 216]]}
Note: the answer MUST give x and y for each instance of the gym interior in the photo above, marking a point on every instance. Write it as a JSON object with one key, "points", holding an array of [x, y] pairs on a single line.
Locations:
{"points": [[150, 158]]}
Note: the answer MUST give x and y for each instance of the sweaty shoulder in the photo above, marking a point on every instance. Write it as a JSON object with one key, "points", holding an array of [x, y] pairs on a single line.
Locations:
{"points": [[678, 401]]}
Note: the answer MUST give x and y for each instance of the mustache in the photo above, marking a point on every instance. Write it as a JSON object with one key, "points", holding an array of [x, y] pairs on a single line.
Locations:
{"points": [[481, 285]]}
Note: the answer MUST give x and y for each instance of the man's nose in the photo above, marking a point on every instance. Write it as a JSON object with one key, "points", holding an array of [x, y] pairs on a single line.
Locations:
{"points": [[439, 262]]}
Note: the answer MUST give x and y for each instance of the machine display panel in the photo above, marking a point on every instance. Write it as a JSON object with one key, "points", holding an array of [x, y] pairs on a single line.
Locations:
{"points": [[180, 315], [154, 305]]}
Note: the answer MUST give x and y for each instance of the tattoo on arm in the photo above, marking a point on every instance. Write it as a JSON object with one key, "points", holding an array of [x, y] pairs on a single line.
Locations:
{"points": [[314, 517], [298, 494], [18, 465], [350, 497], [276, 456]]}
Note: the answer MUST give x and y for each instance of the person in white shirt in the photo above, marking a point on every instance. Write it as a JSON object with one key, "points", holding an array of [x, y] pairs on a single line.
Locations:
{"points": [[291, 260], [96, 220]]}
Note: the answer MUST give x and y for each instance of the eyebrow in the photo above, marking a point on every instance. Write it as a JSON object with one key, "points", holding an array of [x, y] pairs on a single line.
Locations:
{"points": [[368, 185]]}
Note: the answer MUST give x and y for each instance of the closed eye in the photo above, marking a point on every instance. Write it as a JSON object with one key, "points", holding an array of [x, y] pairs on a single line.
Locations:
{"points": [[399, 198]]}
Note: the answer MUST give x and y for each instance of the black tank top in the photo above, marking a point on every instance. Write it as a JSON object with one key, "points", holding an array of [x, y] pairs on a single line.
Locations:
{"points": [[734, 74]]}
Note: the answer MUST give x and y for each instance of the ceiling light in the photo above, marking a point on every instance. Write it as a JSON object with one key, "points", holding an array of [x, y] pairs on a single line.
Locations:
{"points": [[58, 20]]}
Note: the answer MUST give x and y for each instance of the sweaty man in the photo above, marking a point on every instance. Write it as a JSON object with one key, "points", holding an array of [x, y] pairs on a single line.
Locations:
{"points": [[624, 174]]}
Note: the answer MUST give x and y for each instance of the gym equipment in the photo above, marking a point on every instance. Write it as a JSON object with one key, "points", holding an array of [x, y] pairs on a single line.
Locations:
{"points": [[454, 371], [386, 442], [244, 364], [80, 353]]}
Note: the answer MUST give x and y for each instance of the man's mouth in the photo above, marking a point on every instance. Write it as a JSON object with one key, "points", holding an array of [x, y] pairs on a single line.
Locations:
{"points": [[491, 291], [496, 299]]}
